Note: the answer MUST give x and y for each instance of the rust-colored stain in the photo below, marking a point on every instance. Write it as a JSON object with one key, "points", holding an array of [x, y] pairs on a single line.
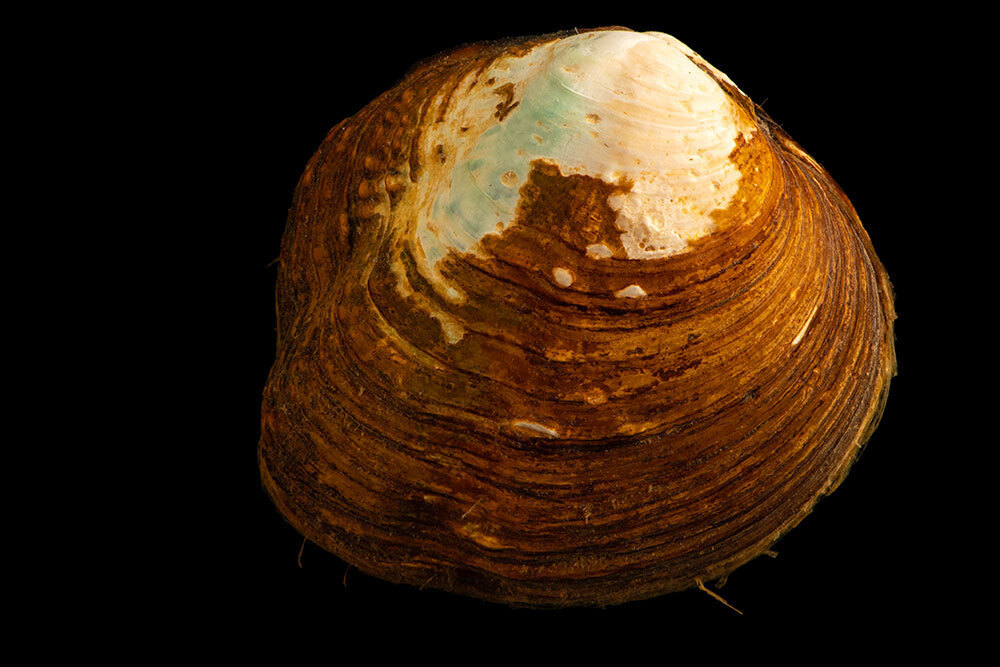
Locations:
{"points": [[507, 104]]}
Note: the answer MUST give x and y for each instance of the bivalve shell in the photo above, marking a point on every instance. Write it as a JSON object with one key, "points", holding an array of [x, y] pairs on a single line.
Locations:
{"points": [[567, 320]]}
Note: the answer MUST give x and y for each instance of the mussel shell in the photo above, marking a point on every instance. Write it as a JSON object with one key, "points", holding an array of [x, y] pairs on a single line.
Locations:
{"points": [[572, 404]]}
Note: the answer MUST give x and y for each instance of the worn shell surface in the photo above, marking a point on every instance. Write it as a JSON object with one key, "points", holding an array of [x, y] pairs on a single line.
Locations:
{"points": [[567, 320]]}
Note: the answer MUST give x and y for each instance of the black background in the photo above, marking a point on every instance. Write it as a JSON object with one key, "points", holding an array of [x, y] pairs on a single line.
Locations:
{"points": [[266, 90]]}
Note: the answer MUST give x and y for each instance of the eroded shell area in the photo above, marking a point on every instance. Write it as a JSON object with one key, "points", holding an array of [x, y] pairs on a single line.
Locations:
{"points": [[565, 320], [638, 112], [615, 105]]}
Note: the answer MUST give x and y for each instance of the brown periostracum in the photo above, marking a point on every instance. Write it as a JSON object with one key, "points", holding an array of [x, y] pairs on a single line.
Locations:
{"points": [[567, 320]]}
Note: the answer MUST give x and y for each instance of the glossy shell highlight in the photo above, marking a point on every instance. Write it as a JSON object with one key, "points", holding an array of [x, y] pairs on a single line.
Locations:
{"points": [[567, 320]]}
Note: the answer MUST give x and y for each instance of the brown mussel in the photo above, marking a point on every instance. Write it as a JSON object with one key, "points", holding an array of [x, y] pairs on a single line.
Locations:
{"points": [[568, 320]]}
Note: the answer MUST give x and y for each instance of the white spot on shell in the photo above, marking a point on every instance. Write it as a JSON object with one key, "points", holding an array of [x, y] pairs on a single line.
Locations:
{"points": [[805, 327], [599, 251], [631, 292], [562, 276], [538, 428]]}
